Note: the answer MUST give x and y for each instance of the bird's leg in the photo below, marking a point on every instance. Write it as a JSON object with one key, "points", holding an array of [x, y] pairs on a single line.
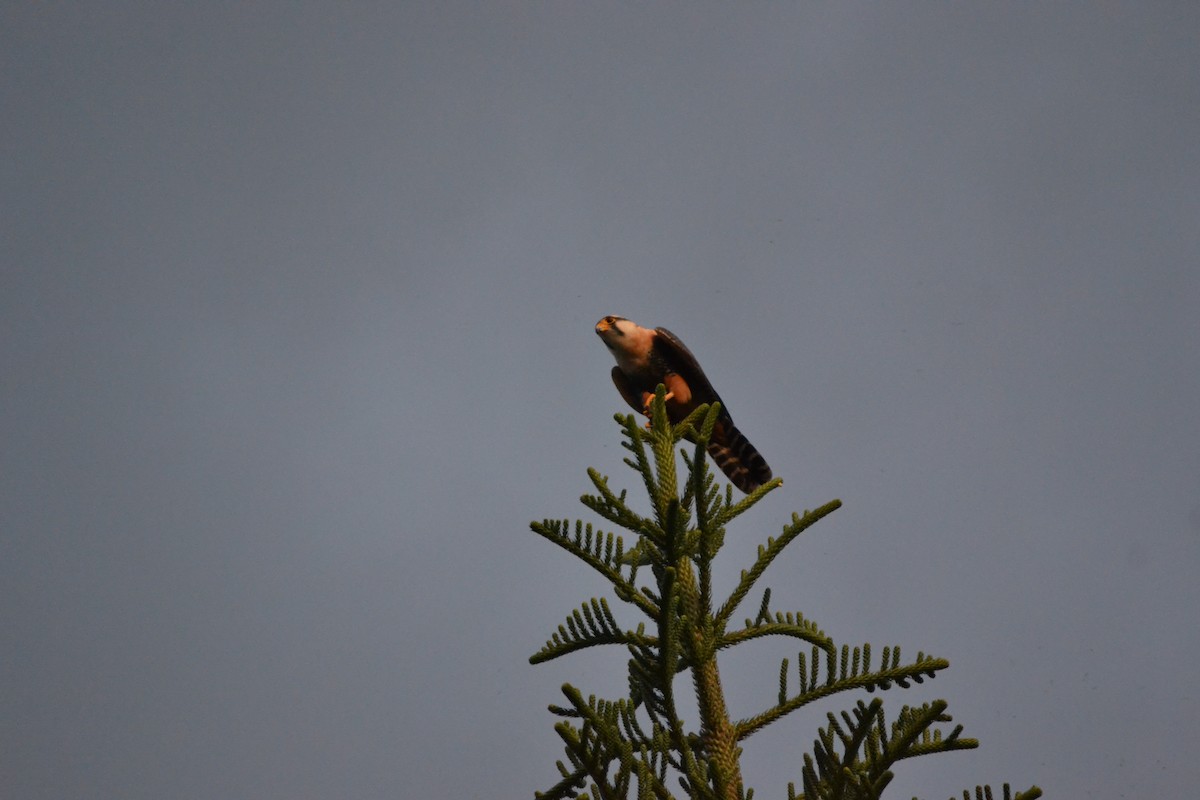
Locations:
{"points": [[677, 391], [647, 399]]}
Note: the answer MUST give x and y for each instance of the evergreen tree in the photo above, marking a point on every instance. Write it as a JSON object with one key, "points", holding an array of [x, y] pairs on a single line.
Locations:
{"points": [[613, 746]]}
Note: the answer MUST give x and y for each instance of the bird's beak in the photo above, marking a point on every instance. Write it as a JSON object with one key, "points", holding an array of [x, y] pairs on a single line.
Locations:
{"points": [[603, 325]]}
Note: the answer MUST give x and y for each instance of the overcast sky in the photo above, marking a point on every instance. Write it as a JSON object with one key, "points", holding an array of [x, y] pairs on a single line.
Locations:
{"points": [[296, 315]]}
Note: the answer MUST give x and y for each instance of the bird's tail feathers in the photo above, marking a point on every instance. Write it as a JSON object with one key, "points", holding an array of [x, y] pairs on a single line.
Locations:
{"points": [[738, 459]]}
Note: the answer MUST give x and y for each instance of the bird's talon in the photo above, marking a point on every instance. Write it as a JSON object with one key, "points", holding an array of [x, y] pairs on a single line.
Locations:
{"points": [[650, 401]]}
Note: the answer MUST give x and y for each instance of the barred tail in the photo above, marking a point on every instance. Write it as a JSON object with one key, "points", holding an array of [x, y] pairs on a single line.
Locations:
{"points": [[737, 458]]}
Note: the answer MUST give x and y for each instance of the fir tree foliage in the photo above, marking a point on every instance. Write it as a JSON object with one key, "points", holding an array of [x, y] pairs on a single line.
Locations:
{"points": [[639, 746]]}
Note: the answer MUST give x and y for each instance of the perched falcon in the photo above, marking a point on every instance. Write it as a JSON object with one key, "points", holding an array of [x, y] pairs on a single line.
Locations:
{"points": [[646, 358]]}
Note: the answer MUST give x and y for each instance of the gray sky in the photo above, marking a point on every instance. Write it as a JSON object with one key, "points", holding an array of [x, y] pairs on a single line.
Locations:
{"points": [[297, 306]]}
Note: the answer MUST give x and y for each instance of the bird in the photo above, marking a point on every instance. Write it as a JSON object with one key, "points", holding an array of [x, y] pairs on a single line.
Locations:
{"points": [[647, 357]]}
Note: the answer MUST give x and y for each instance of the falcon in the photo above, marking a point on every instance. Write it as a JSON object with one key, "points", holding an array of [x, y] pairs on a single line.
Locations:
{"points": [[646, 358]]}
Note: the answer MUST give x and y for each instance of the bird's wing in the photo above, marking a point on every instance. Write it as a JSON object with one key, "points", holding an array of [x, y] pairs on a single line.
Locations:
{"points": [[734, 454], [685, 364], [631, 395], [737, 458]]}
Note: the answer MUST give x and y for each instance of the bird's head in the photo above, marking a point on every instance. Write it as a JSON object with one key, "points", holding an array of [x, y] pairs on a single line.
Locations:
{"points": [[626, 340], [612, 330], [610, 326]]}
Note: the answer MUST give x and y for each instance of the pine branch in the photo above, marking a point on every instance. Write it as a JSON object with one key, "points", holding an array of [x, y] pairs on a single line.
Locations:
{"points": [[767, 554], [602, 553], [913, 734], [706, 416], [599, 744], [746, 503], [851, 671], [590, 625], [613, 508], [985, 793], [852, 759], [662, 443], [635, 443], [792, 625]]}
